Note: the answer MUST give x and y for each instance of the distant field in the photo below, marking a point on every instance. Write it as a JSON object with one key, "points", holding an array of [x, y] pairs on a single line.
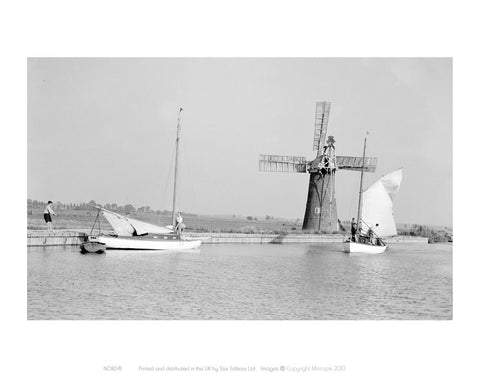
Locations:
{"points": [[80, 219]]}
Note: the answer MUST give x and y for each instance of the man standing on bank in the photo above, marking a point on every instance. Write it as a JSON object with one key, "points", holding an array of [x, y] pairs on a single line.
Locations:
{"points": [[47, 215]]}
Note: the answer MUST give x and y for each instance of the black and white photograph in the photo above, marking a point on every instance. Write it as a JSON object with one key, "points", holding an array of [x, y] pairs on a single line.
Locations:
{"points": [[219, 188], [240, 188]]}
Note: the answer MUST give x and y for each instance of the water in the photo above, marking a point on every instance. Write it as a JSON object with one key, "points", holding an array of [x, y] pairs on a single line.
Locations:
{"points": [[297, 281]]}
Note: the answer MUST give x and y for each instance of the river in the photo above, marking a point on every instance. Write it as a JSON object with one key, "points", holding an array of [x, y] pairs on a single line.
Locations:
{"points": [[247, 282]]}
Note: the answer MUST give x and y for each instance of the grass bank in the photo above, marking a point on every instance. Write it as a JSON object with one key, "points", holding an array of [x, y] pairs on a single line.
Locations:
{"points": [[84, 219]]}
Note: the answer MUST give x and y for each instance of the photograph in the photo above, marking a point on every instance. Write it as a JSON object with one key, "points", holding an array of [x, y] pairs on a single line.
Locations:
{"points": [[239, 188], [260, 188]]}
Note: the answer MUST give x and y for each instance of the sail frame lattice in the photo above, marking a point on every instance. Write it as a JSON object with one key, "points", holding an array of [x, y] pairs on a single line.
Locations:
{"points": [[322, 113], [356, 163], [282, 164]]}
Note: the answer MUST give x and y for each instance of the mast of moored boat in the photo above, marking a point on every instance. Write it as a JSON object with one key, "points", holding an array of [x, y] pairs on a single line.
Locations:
{"points": [[359, 224], [177, 143]]}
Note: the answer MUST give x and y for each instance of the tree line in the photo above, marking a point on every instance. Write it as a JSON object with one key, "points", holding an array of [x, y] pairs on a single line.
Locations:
{"points": [[127, 208]]}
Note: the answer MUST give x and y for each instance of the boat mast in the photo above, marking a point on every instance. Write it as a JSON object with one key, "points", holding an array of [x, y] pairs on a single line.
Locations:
{"points": [[359, 225], [177, 143]]}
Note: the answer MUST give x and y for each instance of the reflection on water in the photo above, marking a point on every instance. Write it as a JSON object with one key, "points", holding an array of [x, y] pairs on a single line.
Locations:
{"points": [[242, 282]]}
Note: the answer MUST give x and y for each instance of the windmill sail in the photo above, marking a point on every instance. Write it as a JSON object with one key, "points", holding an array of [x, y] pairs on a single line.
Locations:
{"points": [[123, 226], [368, 164], [377, 204], [322, 112], [286, 164]]}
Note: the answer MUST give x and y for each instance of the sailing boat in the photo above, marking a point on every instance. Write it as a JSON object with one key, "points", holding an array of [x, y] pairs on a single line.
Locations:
{"points": [[375, 213], [139, 235]]}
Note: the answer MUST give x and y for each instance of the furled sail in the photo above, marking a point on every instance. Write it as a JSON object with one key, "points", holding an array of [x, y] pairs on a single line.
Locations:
{"points": [[124, 226], [377, 204], [144, 228], [119, 223]]}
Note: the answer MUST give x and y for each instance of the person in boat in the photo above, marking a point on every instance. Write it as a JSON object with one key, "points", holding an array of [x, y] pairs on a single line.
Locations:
{"points": [[353, 229], [179, 225], [47, 215], [372, 237]]}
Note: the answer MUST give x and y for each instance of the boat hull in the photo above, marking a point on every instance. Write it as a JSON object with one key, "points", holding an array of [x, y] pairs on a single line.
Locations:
{"points": [[141, 243], [92, 247], [363, 248]]}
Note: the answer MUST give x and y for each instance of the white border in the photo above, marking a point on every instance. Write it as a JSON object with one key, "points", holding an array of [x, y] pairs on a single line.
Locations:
{"points": [[229, 28]]}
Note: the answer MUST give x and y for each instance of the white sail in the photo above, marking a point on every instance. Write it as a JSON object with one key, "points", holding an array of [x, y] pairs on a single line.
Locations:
{"points": [[119, 223], [144, 228], [377, 204], [392, 181], [124, 226]]}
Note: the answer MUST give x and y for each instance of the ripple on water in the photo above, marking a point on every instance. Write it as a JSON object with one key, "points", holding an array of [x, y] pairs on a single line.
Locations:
{"points": [[242, 282]]}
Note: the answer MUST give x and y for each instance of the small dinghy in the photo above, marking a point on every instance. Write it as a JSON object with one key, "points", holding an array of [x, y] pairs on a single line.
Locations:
{"points": [[92, 247], [93, 244]]}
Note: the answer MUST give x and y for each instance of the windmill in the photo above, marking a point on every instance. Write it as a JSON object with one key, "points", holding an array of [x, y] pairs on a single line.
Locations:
{"points": [[321, 208]]}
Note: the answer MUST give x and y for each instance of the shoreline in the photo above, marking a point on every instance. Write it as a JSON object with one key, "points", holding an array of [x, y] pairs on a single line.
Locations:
{"points": [[64, 237]]}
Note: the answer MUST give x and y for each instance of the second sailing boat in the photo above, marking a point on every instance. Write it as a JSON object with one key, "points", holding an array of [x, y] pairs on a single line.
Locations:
{"points": [[375, 213]]}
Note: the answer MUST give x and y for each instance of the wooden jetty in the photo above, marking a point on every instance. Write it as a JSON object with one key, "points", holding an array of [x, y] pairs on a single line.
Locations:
{"points": [[56, 238]]}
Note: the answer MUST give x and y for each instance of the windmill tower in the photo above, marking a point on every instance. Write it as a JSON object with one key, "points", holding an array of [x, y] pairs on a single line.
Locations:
{"points": [[321, 208]]}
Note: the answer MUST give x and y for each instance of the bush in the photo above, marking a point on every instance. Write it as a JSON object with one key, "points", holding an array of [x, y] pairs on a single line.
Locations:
{"points": [[248, 229], [424, 231]]}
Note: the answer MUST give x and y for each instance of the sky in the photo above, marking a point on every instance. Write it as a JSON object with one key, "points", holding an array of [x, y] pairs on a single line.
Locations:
{"points": [[104, 130]]}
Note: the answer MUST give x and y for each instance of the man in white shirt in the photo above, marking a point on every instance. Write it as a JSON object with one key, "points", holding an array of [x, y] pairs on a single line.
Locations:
{"points": [[179, 226]]}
